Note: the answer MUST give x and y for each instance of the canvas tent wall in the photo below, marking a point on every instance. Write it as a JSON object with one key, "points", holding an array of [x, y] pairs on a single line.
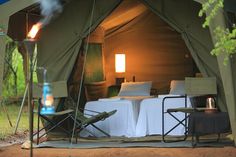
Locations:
{"points": [[62, 45]]}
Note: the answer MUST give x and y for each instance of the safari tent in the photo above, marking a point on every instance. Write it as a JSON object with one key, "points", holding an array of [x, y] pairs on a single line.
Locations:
{"points": [[162, 40]]}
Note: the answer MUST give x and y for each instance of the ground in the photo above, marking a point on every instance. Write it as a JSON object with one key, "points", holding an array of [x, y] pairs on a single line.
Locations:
{"points": [[14, 139], [16, 151]]}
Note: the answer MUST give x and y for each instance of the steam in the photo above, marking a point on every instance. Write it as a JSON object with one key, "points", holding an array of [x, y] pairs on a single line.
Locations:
{"points": [[49, 9]]}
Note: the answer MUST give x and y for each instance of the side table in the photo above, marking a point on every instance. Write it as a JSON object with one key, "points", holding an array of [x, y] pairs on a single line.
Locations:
{"points": [[201, 123]]}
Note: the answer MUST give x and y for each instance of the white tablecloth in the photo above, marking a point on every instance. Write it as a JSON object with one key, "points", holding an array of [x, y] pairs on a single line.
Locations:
{"points": [[122, 123], [150, 117]]}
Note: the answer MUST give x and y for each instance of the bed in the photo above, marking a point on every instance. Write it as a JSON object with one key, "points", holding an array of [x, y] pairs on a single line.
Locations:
{"points": [[127, 104], [138, 114]]}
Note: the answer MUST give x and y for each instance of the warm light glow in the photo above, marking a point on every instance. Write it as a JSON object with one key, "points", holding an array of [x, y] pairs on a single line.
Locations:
{"points": [[34, 30], [47, 97], [49, 101], [120, 63]]}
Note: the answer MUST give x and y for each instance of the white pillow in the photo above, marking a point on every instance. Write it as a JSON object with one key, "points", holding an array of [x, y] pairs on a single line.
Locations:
{"points": [[177, 87], [135, 89]]}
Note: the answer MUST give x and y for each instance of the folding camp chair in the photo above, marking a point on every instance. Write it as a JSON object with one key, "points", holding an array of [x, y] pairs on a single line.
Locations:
{"points": [[54, 120], [193, 87], [171, 112], [83, 120]]}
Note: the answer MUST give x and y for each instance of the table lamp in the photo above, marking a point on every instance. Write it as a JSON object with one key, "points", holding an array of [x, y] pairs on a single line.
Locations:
{"points": [[120, 68]]}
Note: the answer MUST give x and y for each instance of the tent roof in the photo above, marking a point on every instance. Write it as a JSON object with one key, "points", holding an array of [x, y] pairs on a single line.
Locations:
{"points": [[125, 12], [128, 9]]}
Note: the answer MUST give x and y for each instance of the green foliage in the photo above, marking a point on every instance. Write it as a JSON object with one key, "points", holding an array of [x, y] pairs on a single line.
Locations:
{"points": [[16, 63], [225, 44], [13, 110], [10, 47], [18, 60], [225, 38], [211, 6]]}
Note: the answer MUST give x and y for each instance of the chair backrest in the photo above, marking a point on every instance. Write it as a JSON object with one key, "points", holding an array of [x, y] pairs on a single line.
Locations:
{"points": [[200, 86], [199, 89], [59, 89]]}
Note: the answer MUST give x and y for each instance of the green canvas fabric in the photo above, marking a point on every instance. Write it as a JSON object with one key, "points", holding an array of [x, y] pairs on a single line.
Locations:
{"points": [[227, 72], [207, 65], [158, 48], [94, 64], [199, 42], [9, 8], [59, 46], [183, 16], [230, 5]]}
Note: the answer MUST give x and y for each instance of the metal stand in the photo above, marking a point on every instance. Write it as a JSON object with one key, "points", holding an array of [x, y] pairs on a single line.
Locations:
{"points": [[31, 106], [22, 103], [30, 46], [21, 108], [5, 110]]}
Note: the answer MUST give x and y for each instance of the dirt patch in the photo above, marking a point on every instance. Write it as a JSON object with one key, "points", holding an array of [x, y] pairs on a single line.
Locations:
{"points": [[16, 151], [17, 138], [11, 147]]}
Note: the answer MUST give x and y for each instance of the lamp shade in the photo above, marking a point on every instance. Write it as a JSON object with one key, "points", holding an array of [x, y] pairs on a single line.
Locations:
{"points": [[120, 63]]}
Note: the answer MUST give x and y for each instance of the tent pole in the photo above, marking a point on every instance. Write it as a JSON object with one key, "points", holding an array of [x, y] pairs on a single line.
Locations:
{"points": [[21, 108], [30, 46], [82, 74]]}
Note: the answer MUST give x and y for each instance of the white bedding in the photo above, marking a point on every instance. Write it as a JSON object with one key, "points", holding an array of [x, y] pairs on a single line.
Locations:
{"points": [[122, 123], [135, 116], [150, 116]]}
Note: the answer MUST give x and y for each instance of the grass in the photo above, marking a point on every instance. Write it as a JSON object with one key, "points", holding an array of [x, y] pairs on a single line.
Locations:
{"points": [[5, 129]]}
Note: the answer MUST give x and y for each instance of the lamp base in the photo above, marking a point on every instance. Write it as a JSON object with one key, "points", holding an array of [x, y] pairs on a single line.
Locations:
{"points": [[120, 80], [47, 110]]}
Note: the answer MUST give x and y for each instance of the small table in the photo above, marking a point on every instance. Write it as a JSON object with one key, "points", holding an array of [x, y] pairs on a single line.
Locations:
{"points": [[201, 123]]}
